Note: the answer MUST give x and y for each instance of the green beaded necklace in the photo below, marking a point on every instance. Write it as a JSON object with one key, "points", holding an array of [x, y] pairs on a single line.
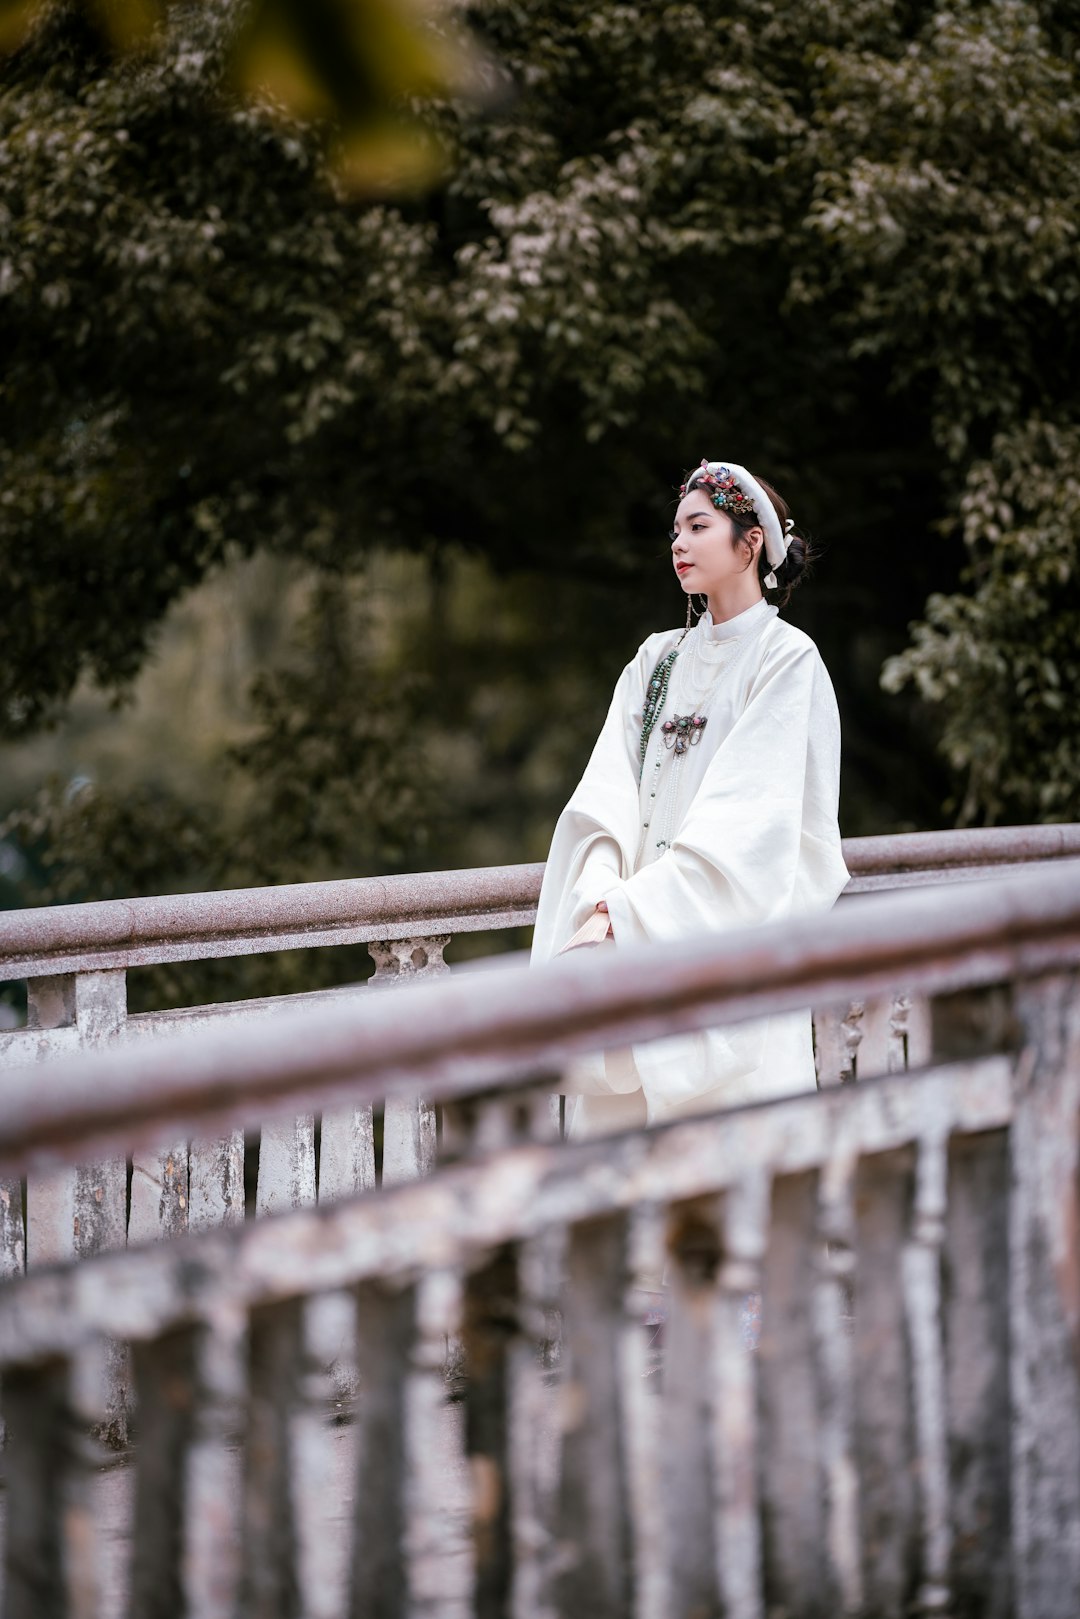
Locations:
{"points": [[655, 695]]}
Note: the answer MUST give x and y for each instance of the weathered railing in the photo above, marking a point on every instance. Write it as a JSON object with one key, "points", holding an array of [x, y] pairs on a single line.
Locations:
{"points": [[75, 959], [904, 1439]]}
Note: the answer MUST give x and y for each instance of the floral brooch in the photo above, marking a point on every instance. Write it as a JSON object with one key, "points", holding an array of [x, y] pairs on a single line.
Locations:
{"points": [[723, 491]]}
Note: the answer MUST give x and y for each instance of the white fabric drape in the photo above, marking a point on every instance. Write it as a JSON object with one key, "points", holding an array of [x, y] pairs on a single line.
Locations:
{"points": [[741, 829]]}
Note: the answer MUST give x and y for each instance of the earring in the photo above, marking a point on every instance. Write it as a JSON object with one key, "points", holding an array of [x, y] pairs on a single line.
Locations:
{"points": [[688, 625], [704, 600]]}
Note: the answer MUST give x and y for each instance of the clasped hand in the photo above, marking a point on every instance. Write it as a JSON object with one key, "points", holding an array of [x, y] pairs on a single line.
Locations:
{"points": [[594, 930]]}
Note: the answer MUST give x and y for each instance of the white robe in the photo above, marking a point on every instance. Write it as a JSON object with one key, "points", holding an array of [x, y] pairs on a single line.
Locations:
{"points": [[741, 829]]}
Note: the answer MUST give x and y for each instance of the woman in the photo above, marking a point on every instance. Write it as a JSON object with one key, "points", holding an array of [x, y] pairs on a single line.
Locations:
{"points": [[709, 803]]}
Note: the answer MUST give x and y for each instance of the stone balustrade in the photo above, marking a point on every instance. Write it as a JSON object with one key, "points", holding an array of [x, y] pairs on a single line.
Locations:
{"points": [[900, 1435], [75, 959]]}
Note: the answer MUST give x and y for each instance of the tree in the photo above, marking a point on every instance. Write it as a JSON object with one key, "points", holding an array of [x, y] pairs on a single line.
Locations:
{"points": [[837, 242], [1001, 659]]}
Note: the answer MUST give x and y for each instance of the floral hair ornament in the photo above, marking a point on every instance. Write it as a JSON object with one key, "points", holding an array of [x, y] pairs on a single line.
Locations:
{"points": [[733, 490]]}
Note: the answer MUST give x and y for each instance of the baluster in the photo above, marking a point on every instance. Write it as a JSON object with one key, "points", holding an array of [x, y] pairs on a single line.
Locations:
{"points": [[508, 1319], [436, 1484], [386, 1330], [851, 1029], [884, 1438], [216, 1181], [91, 1393], [695, 1250], [409, 1139], [876, 1039], [832, 1322], [837, 1036], [346, 1153], [52, 1412], [289, 1484], [595, 1556], [923, 1308], [533, 1452], [917, 1032], [40, 992], [641, 1386], [409, 1130], [213, 1483], [491, 1326], [93, 1196], [346, 1167], [286, 1166], [733, 1376], [401, 961], [896, 1053], [185, 1539], [829, 1049], [12, 1231], [73, 1213], [792, 1421], [1044, 1301], [270, 1571], [165, 1394], [322, 1559], [159, 1194], [977, 1373]]}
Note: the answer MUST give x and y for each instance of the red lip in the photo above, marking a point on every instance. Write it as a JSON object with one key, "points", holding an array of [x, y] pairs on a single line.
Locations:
{"points": [[681, 567]]}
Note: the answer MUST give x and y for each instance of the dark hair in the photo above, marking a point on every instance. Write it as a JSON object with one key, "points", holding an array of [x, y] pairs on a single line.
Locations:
{"points": [[800, 555]]}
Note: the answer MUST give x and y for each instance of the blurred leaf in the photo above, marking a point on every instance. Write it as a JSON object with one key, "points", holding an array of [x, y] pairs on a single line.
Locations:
{"points": [[346, 57], [355, 66], [126, 25], [17, 18], [122, 25]]}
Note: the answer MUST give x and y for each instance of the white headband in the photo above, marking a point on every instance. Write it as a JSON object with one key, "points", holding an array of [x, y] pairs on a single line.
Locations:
{"points": [[777, 539]]}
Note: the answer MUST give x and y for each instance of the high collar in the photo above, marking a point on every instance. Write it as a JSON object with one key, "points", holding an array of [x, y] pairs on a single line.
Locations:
{"points": [[731, 627]]}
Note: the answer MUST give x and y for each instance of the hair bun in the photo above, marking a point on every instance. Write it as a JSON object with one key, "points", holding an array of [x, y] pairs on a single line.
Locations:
{"points": [[794, 568]]}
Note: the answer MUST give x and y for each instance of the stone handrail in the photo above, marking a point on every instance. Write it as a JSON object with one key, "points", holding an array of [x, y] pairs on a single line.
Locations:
{"points": [[460, 1036], [108, 935], [104, 935]]}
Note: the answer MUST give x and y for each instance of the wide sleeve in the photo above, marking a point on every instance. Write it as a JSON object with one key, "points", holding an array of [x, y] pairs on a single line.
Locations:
{"points": [[595, 839], [760, 840]]}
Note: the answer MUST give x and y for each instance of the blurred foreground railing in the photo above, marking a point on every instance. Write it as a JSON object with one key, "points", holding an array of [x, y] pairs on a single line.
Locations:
{"points": [[75, 960], [904, 1439]]}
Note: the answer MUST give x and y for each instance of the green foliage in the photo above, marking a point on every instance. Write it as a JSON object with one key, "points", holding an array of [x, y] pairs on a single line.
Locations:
{"points": [[163, 387], [333, 780], [947, 206], [838, 243], [1001, 660], [401, 720], [348, 67], [340, 773], [145, 841]]}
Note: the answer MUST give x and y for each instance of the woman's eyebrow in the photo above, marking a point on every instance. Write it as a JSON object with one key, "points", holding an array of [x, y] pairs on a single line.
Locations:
{"points": [[691, 516]]}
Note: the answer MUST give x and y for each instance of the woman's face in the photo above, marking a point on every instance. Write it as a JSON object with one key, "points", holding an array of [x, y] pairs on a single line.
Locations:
{"points": [[702, 552]]}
